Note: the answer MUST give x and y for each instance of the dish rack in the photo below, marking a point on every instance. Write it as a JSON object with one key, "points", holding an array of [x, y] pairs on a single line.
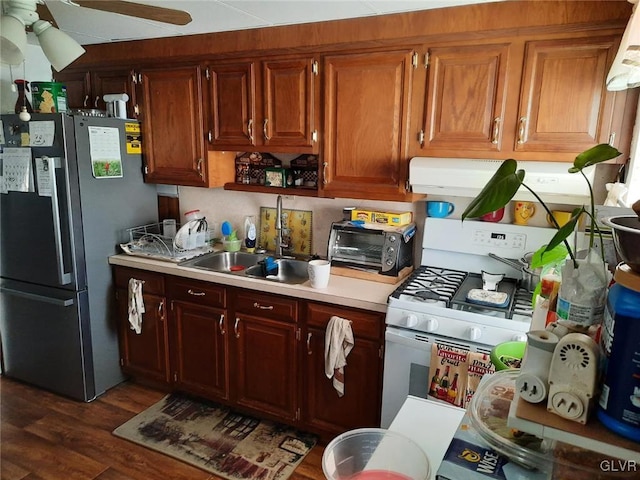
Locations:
{"points": [[149, 241]]}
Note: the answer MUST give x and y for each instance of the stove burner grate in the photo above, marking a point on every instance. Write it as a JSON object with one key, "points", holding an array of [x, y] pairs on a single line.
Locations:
{"points": [[431, 283]]}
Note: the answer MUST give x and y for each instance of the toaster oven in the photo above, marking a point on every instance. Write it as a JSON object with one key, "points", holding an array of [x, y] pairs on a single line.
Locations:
{"points": [[386, 250]]}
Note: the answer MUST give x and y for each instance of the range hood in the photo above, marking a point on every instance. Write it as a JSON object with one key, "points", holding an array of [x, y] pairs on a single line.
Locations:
{"points": [[466, 178]]}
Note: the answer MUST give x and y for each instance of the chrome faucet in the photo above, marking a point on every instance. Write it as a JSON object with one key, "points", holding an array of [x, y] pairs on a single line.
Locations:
{"points": [[279, 227]]}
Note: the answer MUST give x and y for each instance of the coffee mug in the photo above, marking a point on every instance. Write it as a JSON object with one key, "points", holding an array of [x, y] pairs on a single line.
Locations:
{"points": [[522, 212], [561, 217], [319, 272], [494, 216], [439, 209]]}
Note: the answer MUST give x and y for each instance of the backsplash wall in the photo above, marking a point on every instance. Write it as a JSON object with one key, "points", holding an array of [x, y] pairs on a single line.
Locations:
{"points": [[219, 205]]}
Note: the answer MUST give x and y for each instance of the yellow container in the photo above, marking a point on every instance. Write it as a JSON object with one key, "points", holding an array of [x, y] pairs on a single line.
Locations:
{"points": [[396, 219], [49, 97]]}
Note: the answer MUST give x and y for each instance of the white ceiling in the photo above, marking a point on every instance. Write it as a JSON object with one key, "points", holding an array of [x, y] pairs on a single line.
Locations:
{"points": [[88, 26]]}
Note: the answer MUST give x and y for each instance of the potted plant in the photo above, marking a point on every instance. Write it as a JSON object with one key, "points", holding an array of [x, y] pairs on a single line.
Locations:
{"points": [[583, 280]]}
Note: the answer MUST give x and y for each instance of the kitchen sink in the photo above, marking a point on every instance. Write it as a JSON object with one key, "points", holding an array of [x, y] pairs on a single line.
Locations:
{"points": [[289, 271], [225, 262]]}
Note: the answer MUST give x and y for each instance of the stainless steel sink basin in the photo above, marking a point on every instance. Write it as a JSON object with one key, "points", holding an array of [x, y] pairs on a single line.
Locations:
{"points": [[289, 271], [226, 262]]}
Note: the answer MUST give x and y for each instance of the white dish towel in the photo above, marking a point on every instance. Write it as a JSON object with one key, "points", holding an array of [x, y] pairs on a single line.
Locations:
{"points": [[136, 304], [337, 345]]}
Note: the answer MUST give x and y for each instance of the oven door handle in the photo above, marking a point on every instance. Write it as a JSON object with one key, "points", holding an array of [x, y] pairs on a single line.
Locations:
{"points": [[391, 336]]}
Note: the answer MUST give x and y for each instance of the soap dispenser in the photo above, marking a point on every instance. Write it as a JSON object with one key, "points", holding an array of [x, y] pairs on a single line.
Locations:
{"points": [[250, 233]]}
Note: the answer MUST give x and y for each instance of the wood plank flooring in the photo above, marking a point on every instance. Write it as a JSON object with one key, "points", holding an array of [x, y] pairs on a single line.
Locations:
{"points": [[47, 437]]}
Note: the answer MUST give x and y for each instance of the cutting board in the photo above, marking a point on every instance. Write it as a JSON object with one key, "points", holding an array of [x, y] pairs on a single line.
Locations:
{"points": [[372, 276]]}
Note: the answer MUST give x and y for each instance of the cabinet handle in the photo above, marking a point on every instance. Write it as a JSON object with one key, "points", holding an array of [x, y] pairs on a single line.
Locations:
{"points": [[262, 307], [210, 136], [264, 129], [95, 102], [161, 310], [221, 324], [324, 172], [523, 122], [196, 294], [496, 130], [235, 328], [250, 129], [86, 99], [612, 138], [199, 168], [309, 352]]}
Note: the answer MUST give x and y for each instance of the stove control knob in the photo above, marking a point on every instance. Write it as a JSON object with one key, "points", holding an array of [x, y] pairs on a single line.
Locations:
{"points": [[411, 320], [520, 337], [474, 333], [431, 325]]}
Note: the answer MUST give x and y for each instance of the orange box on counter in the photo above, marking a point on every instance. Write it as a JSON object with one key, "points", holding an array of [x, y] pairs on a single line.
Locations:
{"points": [[396, 219]]}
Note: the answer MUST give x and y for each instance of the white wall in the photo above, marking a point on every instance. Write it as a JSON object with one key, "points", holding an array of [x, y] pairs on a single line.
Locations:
{"points": [[37, 69]]}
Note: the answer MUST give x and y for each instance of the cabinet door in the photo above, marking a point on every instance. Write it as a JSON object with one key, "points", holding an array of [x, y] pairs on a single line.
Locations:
{"points": [[232, 104], [144, 354], [564, 106], [265, 365], [200, 354], [465, 98], [78, 85], [172, 126], [289, 109], [113, 82], [366, 115]]}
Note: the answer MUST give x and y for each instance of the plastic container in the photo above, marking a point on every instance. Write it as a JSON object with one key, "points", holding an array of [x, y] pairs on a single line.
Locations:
{"points": [[49, 97], [232, 245], [619, 403], [513, 350], [374, 454]]}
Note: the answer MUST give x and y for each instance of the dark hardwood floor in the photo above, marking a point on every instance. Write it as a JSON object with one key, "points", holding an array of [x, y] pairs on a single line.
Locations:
{"points": [[45, 436]]}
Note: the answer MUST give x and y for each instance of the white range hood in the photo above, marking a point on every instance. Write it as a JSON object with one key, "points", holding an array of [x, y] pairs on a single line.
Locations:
{"points": [[466, 178]]}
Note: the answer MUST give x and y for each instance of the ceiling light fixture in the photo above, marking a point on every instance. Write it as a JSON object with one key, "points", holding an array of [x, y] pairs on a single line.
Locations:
{"points": [[59, 48]]}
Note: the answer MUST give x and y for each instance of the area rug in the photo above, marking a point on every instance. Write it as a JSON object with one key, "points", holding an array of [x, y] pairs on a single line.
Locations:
{"points": [[217, 439]]}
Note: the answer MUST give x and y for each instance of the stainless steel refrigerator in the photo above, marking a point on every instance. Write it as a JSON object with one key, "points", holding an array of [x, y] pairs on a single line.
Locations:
{"points": [[72, 185]]}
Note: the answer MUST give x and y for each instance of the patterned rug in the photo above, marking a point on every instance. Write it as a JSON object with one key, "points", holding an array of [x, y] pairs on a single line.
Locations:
{"points": [[218, 440]]}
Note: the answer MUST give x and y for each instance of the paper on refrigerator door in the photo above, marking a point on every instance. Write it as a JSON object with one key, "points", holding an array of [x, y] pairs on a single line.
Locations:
{"points": [[45, 175], [16, 170], [106, 161]]}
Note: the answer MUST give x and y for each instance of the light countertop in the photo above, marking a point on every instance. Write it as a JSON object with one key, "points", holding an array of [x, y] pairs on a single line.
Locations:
{"points": [[347, 291]]}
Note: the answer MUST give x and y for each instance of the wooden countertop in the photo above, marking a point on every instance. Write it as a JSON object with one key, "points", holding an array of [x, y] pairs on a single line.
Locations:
{"points": [[347, 291]]}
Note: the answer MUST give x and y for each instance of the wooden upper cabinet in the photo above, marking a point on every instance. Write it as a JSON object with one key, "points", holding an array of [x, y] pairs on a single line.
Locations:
{"points": [[78, 83], [172, 126], [366, 112], [270, 105], [564, 106], [465, 97]]}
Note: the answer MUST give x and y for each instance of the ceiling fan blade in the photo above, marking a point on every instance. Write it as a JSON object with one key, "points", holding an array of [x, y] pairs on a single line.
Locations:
{"points": [[149, 12], [45, 14]]}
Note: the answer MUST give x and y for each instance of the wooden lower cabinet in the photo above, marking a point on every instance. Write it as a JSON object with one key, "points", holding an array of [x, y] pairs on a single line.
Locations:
{"points": [[199, 338], [145, 354], [322, 409], [259, 352]]}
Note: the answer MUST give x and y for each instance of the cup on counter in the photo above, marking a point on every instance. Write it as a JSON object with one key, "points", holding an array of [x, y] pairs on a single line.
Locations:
{"points": [[561, 217], [439, 209], [522, 212], [319, 273], [494, 216]]}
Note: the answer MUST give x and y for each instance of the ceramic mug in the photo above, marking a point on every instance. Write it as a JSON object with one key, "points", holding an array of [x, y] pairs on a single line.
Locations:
{"points": [[439, 209], [561, 217], [494, 216], [319, 273], [522, 212]]}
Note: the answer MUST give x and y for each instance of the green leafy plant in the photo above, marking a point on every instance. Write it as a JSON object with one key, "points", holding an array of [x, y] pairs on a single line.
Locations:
{"points": [[504, 184]]}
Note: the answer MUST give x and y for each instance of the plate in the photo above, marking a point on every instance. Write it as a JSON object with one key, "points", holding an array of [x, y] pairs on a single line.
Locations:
{"points": [[181, 239]]}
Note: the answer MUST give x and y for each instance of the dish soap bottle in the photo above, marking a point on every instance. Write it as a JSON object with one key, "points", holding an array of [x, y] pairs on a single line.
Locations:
{"points": [[250, 233]]}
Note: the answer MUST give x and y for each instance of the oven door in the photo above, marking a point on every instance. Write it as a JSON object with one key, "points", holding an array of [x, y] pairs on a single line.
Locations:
{"points": [[406, 367]]}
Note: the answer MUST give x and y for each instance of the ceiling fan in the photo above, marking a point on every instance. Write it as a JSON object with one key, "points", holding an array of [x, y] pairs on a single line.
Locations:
{"points": [[131, 9]]}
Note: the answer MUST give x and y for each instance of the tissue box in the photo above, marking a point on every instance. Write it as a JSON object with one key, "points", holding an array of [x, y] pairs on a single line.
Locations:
{"points": [[396, 219]]}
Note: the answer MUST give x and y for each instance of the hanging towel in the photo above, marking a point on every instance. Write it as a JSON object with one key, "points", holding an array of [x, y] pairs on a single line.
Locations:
{"points": [[136, 304], [337, 345]]}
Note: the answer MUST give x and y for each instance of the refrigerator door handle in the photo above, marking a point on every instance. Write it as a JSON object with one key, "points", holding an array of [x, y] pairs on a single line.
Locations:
{"points": [[64, 277], [61, 302]]}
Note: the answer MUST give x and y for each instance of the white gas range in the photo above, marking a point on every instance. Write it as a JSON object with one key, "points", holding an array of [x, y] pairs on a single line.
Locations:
{"points": [[431, 304]]}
